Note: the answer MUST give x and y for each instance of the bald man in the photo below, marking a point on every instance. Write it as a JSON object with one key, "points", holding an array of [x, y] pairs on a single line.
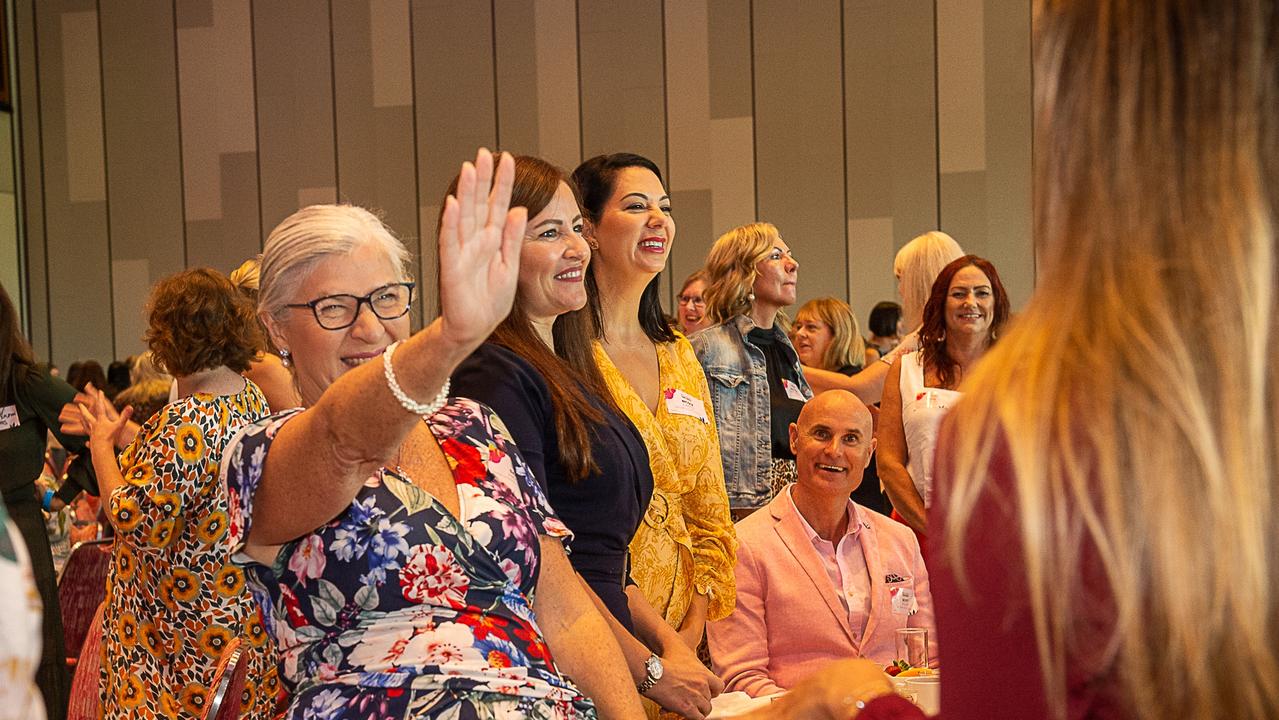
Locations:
{"points": [[820, 577]]}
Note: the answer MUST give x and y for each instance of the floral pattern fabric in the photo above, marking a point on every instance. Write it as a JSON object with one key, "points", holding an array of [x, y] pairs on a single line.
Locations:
{"points": [[398, 609], [174, 598]]}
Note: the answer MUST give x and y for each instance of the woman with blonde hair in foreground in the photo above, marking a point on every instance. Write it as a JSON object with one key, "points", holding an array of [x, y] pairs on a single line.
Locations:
{"points": [[1109, 546]]}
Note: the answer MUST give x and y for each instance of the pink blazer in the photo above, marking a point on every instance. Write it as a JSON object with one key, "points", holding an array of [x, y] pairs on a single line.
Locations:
{"points": [[789, 621]]}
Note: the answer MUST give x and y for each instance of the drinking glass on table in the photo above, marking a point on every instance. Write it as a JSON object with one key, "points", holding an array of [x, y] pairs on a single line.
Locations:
{"points": [[912, 646]]}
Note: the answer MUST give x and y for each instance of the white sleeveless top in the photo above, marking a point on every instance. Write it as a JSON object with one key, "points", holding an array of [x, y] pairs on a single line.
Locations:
{"points": [[922, 411]]}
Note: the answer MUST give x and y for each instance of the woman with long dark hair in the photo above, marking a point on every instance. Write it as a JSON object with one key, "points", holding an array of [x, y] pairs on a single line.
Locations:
{"points": [[30, 400], [963, 317]]}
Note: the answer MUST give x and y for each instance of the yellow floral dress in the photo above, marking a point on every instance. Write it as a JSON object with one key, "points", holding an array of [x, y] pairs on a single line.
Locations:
{"points": [[174, 599], [686, 543]]}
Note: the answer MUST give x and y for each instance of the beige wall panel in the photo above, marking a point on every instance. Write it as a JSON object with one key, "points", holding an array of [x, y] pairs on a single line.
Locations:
{"points": [[375, 143], [799, 136], [293, 71], [7, 178], [82, 105], [130, 285], [76, 232], [219, 134], [623, 103], [1009, 112], [890, 116], [692, 209], [515, 57], [871, 249], [10, 267], [732, 174], [559, 126], [226, 242], [961, 86], [456, 111], [36, 310], [729, 51], [688, 88], [392, 50], [963, 212], [140, 94]]}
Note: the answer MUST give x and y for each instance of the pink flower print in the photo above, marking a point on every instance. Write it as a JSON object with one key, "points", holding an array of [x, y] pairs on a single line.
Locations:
{"points": [[308, 558], [669, 393], [432, 575]]}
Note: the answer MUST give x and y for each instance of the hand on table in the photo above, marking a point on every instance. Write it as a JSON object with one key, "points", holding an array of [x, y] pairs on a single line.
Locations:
{"points": [[686, 686]]}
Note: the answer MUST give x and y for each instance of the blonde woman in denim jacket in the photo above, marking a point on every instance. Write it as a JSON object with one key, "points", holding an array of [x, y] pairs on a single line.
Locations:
{"points": [[756, 381]]}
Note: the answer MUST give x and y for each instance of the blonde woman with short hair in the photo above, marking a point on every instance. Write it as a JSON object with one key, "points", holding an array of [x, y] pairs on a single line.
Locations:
{"points": [[826, 336]]}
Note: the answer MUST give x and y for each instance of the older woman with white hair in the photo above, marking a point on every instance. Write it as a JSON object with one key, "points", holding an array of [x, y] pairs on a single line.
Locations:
{"points": [[410, 562]]}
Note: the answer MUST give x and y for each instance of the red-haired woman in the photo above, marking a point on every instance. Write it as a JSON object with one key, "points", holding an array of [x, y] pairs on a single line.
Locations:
{"points": [[964, 314], [174, 599]]}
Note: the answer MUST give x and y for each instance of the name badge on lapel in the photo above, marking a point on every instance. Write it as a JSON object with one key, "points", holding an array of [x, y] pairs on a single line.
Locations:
{"points": [[679, 402], [792, 391], [903, 600], [9, 417]]}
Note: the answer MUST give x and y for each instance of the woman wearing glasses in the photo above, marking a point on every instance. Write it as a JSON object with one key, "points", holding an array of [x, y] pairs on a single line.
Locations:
{"points": [[756, 381], [411, 563], [692, 304]]}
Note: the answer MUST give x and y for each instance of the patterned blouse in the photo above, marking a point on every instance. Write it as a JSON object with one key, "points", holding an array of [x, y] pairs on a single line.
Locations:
{"points": [[686, 543], [19, 628], [398, 609], [174, 599]]}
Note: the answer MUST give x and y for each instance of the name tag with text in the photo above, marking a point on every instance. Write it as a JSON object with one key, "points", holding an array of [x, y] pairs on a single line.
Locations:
{"points": [[679, 402]]}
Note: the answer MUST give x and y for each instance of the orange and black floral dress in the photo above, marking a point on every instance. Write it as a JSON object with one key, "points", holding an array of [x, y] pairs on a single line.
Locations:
{"points": [[174, 599]]}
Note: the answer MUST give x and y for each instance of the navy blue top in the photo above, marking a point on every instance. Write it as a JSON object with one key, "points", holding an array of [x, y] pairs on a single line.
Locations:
{"points": [[604, 509]]}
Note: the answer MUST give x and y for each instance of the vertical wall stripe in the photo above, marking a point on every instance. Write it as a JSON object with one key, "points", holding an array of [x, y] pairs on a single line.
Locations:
{"points": [[735, 100], [106, 178]]}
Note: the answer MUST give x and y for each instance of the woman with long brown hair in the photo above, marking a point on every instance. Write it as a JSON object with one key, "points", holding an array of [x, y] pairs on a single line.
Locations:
{"points": [[538, 371], [963, 317]]}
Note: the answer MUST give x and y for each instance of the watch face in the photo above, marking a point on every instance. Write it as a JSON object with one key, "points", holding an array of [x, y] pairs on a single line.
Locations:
{"points": [[654, 667]]}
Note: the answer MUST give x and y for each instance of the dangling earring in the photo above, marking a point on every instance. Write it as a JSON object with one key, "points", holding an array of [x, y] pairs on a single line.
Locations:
{"points": [[750, 297], [286, 359]]}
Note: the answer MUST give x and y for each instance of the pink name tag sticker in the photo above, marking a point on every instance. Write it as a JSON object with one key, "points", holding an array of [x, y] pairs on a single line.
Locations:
{"points": [[9, 417], [679, 402], [792, 391]]}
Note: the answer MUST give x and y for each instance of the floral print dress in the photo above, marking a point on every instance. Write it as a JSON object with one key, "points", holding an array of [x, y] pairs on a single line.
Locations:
{"points": [[174, 598], [398, 609]]}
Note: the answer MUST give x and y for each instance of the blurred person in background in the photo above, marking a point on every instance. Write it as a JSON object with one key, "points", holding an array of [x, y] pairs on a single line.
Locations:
{"points": [[30, 400], [885, 325], [691, 303], [269, 369]]}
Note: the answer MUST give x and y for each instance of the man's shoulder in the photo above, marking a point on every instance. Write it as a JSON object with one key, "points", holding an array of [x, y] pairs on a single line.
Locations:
{"points": [[887, 529]]}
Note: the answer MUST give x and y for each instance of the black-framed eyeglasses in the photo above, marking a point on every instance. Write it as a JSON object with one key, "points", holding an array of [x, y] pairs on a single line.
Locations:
{"points": [[338, 312]]}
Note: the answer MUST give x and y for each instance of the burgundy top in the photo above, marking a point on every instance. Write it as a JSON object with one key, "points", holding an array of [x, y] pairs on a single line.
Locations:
{"points": [[987, 639]]}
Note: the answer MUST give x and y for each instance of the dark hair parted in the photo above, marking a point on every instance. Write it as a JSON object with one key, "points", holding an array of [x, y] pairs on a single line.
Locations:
{"points": [[932, 334], [198, 320], [17, 362], [884, 318], [596, 179], [568, 368]]}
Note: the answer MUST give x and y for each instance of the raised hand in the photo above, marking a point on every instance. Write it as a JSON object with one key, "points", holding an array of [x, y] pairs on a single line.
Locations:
{"points": [[103, 423], [480, 237], [69, 417]]}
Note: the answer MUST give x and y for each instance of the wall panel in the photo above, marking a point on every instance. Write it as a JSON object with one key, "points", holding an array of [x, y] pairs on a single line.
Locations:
{"points": [[76, 236], [143, 155], [293, 73], [799, 136], [455, 108], [166, 134]]}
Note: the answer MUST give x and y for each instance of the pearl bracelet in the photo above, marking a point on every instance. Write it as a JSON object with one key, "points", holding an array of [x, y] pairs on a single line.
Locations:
{"points": [[408, 403]]}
